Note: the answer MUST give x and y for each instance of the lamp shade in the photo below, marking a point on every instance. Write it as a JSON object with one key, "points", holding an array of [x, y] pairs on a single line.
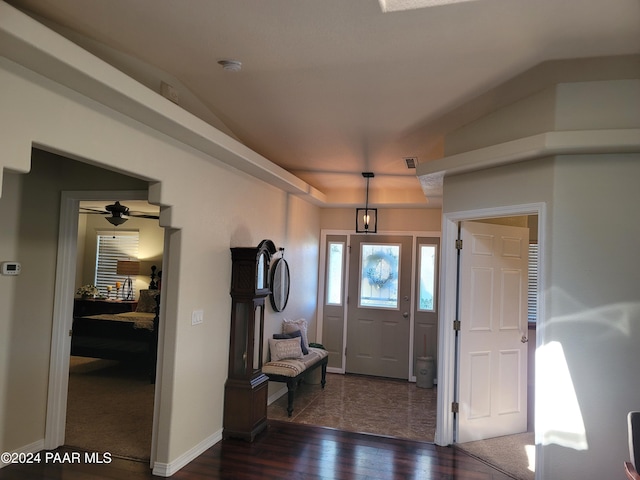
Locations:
{"points": [[128, 267]]}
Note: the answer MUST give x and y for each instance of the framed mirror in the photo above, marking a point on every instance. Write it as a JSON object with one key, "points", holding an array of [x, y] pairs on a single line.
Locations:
{"points": [[279, 284]]}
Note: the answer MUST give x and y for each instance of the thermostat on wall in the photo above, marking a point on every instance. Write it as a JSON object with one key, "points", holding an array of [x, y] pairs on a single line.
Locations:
{"points": [[11, 268]]}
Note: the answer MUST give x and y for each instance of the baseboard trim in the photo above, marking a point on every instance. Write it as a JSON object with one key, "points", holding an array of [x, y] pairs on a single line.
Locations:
{"points": [[34, 447], [168, 469], [276, 395]]}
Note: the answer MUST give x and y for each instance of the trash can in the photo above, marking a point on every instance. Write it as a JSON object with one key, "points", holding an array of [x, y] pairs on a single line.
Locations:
{"points": [[425, 372], [314, 377]]}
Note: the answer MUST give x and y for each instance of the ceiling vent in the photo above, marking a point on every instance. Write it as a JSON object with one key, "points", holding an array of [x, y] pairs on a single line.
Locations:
{"points": [[411, 162]]}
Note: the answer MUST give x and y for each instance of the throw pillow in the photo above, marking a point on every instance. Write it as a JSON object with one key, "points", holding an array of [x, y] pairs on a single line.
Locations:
{"points": [[289, 326], [147, 301], [296, 334], [284, 349]]}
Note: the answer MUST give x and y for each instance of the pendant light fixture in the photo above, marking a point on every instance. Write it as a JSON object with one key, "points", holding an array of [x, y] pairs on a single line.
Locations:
{"points": [[367, 218]]}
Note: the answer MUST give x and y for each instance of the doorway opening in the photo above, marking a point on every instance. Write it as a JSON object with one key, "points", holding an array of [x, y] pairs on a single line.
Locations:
{"points": [[57, 197], [114, 343], [528, 332]]}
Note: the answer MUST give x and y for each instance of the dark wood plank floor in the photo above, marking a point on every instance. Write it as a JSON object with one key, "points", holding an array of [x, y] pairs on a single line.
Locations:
{"points": [[292, 451]]}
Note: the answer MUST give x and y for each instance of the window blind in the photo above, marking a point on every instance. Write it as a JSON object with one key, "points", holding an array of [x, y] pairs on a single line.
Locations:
{"points": [[532, 293], [122, 245]]}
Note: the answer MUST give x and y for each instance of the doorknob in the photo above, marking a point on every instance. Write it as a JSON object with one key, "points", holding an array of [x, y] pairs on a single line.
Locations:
{"points": [[524, 339], [405, 314]]}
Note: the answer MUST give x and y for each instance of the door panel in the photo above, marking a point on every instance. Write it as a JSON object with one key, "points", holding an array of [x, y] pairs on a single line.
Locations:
{"points": [[334, 302], [332, 339], [378, 323], [493, 322], [425, 338]]}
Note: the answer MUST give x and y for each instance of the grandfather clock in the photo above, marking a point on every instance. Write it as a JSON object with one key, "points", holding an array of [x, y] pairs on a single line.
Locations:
{"points": [[245, 391]]}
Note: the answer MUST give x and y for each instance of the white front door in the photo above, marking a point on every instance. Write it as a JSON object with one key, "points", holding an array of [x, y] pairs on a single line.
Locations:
{"points": [[493, 329]]}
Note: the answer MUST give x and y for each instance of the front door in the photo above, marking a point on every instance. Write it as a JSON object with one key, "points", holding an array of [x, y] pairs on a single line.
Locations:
{"points": [[493, 329], [378, 321]]}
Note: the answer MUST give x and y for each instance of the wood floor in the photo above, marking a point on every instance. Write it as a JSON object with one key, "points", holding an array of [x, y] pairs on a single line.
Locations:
{"points": [[291, 451]]}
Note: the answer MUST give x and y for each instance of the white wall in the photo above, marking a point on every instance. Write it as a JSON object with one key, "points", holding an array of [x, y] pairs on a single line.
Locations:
{"points": [[9, 218], [594, 306], [208, 207], [389, 219]]}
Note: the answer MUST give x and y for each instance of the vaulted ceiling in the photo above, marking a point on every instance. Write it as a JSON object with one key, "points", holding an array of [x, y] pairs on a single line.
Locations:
{"points": [[331, 88]]}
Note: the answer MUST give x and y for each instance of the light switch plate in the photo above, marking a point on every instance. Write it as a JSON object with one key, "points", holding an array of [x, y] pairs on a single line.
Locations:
{"points": [[197, 317]]}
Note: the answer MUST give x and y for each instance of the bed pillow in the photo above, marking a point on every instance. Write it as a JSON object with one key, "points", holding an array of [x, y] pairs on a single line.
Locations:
{"points": [[296, 334], [147, 301], [289, 326], [284, 349]]}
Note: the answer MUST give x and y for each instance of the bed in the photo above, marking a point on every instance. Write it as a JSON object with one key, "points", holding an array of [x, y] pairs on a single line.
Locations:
{"points": [[126, 336]]}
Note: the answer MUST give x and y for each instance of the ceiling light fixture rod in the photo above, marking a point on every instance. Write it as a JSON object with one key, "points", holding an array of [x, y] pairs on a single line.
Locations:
{"points": [[367, 175]]}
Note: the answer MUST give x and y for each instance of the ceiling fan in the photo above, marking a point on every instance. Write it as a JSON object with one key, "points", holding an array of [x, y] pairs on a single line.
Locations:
{"points": [[117, 213]]}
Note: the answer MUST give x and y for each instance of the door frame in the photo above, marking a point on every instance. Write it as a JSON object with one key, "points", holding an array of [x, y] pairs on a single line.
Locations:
{"points": [[447, 366], [58, 384], [321, 284]]}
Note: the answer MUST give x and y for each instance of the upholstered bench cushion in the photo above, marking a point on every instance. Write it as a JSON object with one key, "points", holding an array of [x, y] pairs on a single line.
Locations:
{"points": [[292, 367]]}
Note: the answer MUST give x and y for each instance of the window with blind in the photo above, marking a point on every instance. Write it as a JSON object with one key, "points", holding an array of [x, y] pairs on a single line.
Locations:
{"points": [[122, 245], [532, 294]]}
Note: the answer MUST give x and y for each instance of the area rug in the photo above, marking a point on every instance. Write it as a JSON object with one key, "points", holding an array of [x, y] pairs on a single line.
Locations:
{"points": [[109, 408], [508, 453]]}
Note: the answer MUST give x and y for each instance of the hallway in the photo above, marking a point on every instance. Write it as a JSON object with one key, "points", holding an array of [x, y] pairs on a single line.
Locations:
{"points": [[363, 404]]}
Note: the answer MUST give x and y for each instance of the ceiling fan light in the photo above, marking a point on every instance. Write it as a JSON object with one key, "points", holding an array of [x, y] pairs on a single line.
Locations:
{"points": [[115, 221]]}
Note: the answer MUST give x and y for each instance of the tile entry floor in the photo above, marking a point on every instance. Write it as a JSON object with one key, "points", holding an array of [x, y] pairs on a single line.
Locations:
{"points": [[357, 403]]}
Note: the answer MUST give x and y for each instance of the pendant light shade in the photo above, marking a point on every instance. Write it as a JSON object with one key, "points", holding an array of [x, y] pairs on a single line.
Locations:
{"points": [[367, 218]]}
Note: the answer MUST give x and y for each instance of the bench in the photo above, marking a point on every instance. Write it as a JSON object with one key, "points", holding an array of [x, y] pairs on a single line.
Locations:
{"points": [[291, 371]]}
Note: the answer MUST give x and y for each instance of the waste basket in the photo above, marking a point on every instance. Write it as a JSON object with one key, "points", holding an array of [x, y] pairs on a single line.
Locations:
{"points": [[425, 372]]}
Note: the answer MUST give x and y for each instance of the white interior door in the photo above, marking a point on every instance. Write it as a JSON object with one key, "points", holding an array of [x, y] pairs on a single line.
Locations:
{"points": [[493, 331]]}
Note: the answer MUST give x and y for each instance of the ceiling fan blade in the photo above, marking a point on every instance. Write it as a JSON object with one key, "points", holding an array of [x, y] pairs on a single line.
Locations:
{"points": [[93, 211], [119, 210], [143, 215]]}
